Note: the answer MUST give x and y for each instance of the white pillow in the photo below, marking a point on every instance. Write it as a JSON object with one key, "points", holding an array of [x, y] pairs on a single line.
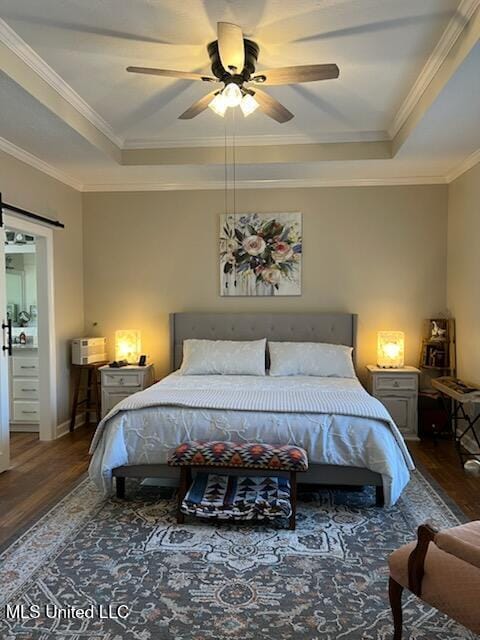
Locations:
{"points": [[224, 357], [311, 359]]}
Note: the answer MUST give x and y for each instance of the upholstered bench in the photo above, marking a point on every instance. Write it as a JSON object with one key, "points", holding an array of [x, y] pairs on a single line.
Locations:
{"points": [[223, 490]]}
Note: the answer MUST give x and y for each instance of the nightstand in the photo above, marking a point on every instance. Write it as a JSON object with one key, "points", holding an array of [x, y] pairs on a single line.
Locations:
{"points": [[118, 384], [397, 389]]}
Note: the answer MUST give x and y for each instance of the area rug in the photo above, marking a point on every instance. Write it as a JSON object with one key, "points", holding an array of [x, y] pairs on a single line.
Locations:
{"points": [[137, 575]]}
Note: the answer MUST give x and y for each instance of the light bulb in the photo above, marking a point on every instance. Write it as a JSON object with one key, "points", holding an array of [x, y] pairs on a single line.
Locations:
{"points": [[218, 105], [248, 104], [391, 349], [232, 94]]}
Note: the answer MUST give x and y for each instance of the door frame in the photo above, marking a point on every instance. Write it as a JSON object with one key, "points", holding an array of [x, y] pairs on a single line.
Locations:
{"points": [[46, 320], [4, 365]]}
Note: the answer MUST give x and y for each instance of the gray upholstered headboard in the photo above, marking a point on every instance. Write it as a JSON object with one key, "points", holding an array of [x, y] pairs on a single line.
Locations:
{"points": [[335, 328]]}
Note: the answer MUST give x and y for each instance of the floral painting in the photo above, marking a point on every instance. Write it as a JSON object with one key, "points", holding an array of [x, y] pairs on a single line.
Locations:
{"points": [[261, 254]]}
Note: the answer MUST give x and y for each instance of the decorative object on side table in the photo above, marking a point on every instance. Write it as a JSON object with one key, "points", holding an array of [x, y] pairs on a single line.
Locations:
{"points": [[89, 350], [438, 346], [390, 349], [128, 345], [261, 254], [397, 389], [118, 384]]}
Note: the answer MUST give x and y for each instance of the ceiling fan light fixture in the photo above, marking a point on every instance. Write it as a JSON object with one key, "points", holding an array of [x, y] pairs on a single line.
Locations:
{"points": [[219, 104], [232, 94], [248, 104]]}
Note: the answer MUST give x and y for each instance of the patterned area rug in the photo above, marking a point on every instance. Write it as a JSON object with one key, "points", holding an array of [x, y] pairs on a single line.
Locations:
{"points": [[327, 580]]}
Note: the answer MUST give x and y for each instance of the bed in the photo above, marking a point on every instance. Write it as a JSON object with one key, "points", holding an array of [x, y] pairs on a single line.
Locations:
{"points": [[349, 436]]}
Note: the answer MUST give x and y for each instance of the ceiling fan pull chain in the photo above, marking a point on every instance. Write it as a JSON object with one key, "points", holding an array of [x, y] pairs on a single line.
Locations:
{"points": [[225, 166], [234, 184], [234, 168]]}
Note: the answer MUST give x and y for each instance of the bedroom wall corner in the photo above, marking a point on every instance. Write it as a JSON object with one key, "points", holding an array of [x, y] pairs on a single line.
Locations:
{"points": [[463, 263], [31, 189], [376, 251]]}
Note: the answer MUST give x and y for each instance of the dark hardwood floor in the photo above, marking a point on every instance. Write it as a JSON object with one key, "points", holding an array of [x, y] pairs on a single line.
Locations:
{"points": [[43, 472], [442, 463]]}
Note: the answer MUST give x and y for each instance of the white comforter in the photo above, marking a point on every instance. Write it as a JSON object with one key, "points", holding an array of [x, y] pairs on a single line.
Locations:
{"points": [[334, 419]]}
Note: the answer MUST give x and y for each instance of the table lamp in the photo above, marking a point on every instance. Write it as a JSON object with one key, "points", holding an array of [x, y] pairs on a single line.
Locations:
{"points": [[390, 349], [128, 345]]}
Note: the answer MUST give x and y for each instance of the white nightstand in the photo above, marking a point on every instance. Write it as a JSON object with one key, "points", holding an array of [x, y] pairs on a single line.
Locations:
{"points": [[118, 384], [397, 389]]}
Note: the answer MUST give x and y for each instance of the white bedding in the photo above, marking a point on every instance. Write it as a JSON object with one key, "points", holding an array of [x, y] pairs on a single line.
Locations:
{"points": [[334, 419]]}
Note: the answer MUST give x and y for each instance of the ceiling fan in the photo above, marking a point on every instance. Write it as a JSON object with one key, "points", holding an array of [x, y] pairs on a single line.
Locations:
{"points": [[233, 59]]}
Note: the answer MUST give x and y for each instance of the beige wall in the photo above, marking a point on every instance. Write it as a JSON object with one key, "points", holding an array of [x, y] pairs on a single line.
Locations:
{"points": [[463, 282], [376, 251], [28, 188]]}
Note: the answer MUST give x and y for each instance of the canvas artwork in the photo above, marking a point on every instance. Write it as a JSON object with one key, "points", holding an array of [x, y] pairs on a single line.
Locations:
{"points": [[261, 254]]}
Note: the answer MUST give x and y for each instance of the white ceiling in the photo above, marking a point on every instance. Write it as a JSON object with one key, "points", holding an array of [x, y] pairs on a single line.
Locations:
{"points": [[380, 46]]}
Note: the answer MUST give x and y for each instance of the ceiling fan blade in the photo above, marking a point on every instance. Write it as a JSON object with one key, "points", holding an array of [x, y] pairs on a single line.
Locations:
{"points": [[170, 73], [272, 107], [292, 75], [197, 107], [231, 46]]}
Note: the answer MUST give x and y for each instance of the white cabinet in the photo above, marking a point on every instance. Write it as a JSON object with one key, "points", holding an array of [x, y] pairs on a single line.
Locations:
{"points": [[24, 390], [397, 389], [118, 384], [26, 366]]}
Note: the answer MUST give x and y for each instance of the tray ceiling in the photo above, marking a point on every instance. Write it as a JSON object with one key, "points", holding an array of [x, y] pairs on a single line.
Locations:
{"points": [[380, 46]]}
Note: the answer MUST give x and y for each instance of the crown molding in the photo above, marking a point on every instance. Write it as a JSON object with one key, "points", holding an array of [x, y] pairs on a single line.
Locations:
{"points": [[258, 140], [457, 24], [264, 184], [464, 166], [31, 58], [35, 162]]}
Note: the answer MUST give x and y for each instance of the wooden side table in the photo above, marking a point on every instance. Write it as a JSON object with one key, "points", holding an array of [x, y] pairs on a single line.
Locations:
{"points": [[92, 394], [397, 389], [118, 384]]}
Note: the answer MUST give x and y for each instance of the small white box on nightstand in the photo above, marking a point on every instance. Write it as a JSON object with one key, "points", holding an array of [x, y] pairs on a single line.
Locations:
{"points": [[397, 390]]}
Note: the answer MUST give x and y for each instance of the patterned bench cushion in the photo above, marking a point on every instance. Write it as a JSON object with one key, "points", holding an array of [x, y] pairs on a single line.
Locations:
{"points": [[249, 455]]}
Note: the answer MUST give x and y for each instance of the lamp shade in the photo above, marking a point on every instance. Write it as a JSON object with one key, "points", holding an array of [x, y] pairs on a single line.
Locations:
{"points": [[128, 345], [390, 349], [218, 105], [248, 104], [232, 95]]}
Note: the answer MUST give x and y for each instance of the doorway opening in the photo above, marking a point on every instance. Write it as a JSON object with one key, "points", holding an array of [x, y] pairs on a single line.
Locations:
{"points": [[28, 371], [22, 313]]}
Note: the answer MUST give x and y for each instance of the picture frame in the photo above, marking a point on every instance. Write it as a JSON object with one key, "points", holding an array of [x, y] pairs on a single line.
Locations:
{"points": [[260, 254]]}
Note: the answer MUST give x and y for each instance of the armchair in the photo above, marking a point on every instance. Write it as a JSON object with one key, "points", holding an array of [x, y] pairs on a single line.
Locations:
{"points": [[443, 569]]}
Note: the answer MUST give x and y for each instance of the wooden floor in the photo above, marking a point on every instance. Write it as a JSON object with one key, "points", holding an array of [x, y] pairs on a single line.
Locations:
{"points": [[442, 462], [43, 472]]}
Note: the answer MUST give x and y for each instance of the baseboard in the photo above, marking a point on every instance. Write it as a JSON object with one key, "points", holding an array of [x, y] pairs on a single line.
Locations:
{"points": [[64, 428], [24, 428]]}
